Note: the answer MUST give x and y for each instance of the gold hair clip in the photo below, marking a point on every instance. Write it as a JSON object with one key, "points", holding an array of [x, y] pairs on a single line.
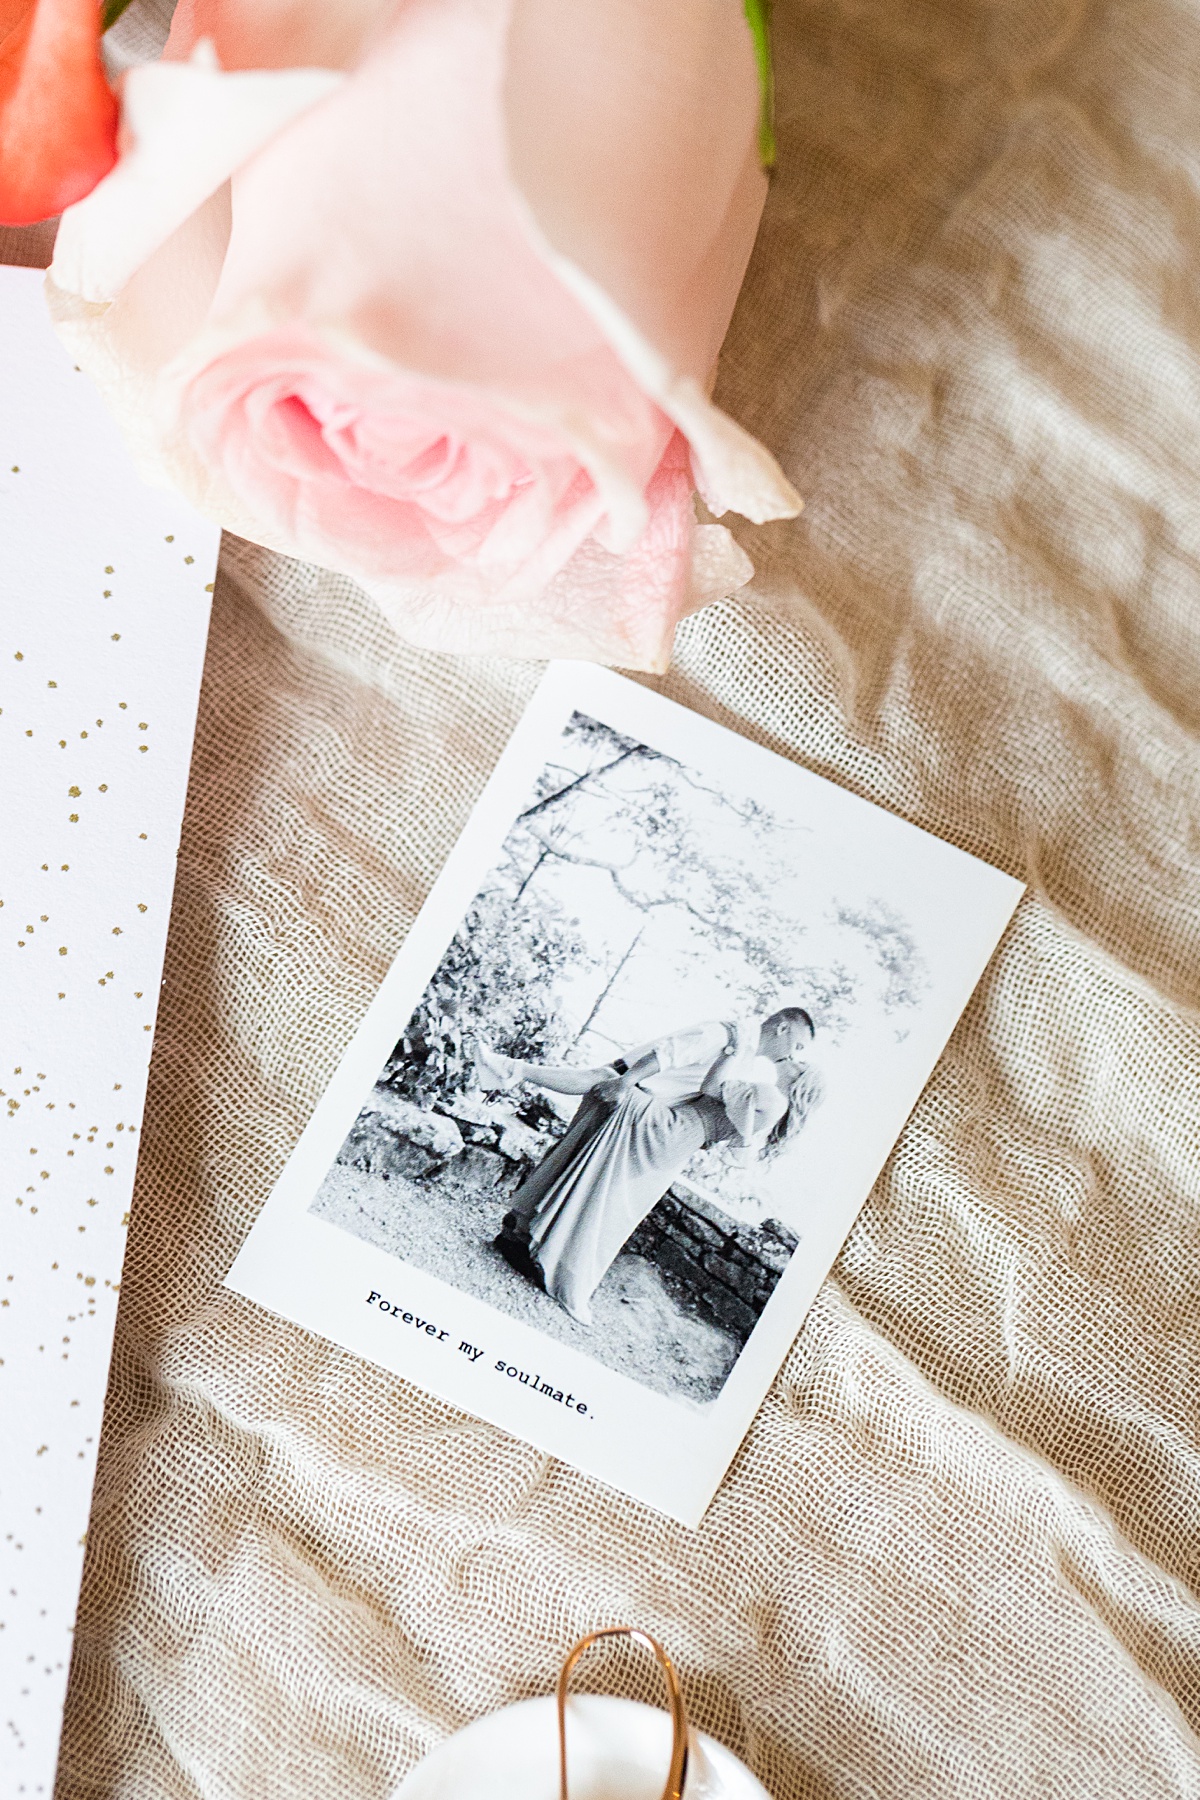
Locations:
{"points": [[677, 1773]]}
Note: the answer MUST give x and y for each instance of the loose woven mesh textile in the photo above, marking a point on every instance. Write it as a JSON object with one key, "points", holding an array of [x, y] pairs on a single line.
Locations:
{"points": [[959, 1552]]}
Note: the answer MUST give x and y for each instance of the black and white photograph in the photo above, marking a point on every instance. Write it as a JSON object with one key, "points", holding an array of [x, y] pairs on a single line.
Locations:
{"points": [[594, 1119], [611, 1114]]}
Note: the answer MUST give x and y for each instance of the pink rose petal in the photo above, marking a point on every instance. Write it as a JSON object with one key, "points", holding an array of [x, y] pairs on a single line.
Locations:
{"points": [[372, 347]]}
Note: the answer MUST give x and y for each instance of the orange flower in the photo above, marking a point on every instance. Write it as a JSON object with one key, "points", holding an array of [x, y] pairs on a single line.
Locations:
{"points": [[58, 116]]}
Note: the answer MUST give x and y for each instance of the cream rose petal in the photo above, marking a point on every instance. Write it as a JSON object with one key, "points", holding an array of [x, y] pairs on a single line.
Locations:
{"points": [[719, 565], [633, 140], [734, 472], [278, 34], [632, 133], [187, 127]]}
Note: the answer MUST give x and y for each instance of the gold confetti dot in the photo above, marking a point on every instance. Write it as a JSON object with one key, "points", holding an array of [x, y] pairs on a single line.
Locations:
{"points": [[45, 918], [108, 593], [141, 906], [103, 788], [122, 705], [16, 468], [65, 868], [19, 656], [108, 568], [208, 587], [62, 949], [74, 818], [143, 748], [116, 637], [62, 743], [52, 684], [29, 734], [189, 559], [74, 792], [170, 538], [107, 1169], [83, 734], [142, 835], [116, 931], [143, 726]]}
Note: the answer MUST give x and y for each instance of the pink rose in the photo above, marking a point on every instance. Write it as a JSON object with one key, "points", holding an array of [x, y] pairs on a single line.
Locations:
{"points": [[432, 291]]}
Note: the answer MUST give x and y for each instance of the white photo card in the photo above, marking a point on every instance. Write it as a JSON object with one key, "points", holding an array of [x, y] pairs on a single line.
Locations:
{"points": [[613, 1111]]}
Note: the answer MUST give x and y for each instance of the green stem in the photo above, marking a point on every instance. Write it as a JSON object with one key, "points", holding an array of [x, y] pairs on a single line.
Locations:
{"points": [[110, 12], [758, 17]]}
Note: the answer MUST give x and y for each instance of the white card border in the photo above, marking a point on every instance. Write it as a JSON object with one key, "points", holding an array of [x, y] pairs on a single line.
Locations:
{"points": [[290, 1257]]}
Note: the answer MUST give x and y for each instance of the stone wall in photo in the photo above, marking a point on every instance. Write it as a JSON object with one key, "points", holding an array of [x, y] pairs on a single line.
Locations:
{"points": [[726, 1269], [712, 1264]]}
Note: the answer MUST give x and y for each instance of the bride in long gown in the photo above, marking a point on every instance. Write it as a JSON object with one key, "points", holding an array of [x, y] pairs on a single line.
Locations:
{"points": [[638, 1125]]}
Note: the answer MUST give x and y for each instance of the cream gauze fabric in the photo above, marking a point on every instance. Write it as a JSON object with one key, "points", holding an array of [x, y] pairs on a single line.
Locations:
{"points": [[958, 1555]]}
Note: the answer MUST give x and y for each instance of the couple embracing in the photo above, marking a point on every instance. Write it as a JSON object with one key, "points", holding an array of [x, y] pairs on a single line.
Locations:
{"points": [[639, 1123]]}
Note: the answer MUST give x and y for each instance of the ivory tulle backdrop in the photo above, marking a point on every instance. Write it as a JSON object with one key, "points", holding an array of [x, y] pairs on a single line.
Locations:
{"points": [[958, 1552]]}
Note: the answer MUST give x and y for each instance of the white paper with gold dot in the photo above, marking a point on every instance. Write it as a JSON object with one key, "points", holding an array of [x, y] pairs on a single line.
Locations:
{"points": [[104, 599]]}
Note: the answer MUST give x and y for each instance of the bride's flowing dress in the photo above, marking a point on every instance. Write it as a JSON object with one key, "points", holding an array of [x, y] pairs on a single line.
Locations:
{"points": [[595, 1187], [619, 1156]]}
